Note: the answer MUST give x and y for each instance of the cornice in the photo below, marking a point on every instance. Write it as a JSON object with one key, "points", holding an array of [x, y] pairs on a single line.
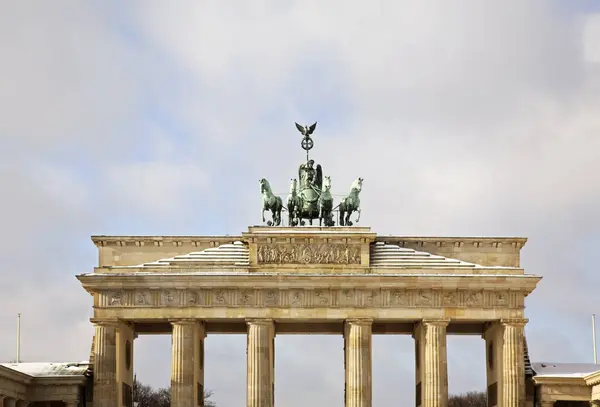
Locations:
{"points": [[476, 241], [559, 381], [59, 380], [15, 375], [593, 378], [119, 241], [131, 240], [488, 282]]}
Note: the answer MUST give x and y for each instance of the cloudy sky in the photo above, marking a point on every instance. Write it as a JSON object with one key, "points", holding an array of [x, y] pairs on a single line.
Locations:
{"points": [[464, 118]]}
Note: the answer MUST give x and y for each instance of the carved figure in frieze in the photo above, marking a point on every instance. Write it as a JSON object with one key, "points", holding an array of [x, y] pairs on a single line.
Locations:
{"points": [[296, 298], [321, 297], [246, 297], [142, 298], [116, 299], [309, 254], [168, 297], [220, 297], [501, 299], [474, 298], [424, 298], [399, 297], [271, 297], [450, 298], [192, 298]]}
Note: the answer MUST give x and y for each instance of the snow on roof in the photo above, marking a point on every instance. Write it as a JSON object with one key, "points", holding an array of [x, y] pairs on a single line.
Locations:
{"points": [[233, 254], [383, 255], [548, 369], [49, 369], [390, 255]]}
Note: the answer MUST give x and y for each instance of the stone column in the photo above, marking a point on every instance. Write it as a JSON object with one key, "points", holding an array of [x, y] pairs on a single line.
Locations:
{"points": [[358, 362], [105, 364], [432, 367], [260, 357], [513, 363], [185, 360]]}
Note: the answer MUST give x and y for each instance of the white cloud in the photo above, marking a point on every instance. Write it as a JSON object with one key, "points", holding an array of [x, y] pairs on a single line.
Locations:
{"points": [[156, 187]]}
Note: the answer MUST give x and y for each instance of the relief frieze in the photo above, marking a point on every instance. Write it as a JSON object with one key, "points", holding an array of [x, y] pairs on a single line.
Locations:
{"points": [[308, 254], [312, 298]]}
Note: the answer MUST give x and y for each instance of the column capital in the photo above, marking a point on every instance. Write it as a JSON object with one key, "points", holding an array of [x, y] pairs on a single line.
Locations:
{"points": [[359, 321], [110, 322], [260, 321], [514, 322], [435, 321], [185, 321]]}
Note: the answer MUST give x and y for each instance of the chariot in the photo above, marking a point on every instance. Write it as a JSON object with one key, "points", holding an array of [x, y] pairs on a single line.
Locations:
{"points": [[310, 195]]}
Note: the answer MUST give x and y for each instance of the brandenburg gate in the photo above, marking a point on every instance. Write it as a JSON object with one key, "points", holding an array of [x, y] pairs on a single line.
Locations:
{"points": [[297, 279]]}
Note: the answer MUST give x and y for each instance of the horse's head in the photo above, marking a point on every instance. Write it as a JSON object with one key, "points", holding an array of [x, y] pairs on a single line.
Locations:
{"points": [[293, 185], [326, 183], [357, 184], [264, 185]]}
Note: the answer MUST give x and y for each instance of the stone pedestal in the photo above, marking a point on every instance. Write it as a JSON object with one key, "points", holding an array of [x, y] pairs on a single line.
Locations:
{"points": [[185, 363], [105, 364], [357, 354], [432, 367], [260, 362]]}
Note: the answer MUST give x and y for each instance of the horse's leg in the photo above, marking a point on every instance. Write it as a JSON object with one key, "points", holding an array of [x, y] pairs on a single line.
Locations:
{"points": [[358, 218], [263, 214]]}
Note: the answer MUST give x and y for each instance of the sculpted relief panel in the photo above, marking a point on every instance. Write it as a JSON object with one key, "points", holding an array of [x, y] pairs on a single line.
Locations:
{"points": [[308, 254], [313, 298]]}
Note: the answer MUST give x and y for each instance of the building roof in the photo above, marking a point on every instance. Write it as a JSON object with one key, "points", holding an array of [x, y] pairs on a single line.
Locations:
{"points": [[50, 369], [550, 369], [383, 255], [390, 255], [235, 254]]}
